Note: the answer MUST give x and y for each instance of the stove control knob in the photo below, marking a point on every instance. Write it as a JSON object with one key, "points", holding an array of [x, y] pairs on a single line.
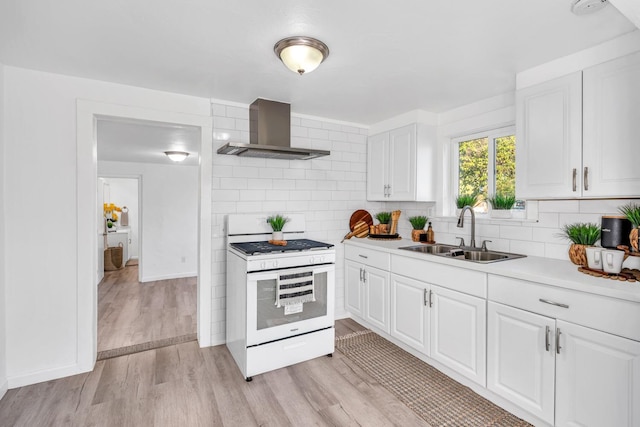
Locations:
{"points": [[275, 264], [322, 259], [263, 265], [311, 260]]}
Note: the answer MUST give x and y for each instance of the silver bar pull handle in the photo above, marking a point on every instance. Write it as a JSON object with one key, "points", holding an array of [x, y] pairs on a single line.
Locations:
{"points": [[360, 274], [558, 340], [575, 179], [547, 334], [557, 304], [425, 296], [586, 178], [363, 256], [430, 298], [364, 276]]}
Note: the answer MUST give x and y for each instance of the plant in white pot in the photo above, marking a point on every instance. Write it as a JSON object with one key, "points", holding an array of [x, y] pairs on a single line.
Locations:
{"points": [[501, 205], [277, 223]]}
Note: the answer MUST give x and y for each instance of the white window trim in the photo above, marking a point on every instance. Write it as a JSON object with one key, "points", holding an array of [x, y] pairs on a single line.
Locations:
{"points": [[491, 135]]}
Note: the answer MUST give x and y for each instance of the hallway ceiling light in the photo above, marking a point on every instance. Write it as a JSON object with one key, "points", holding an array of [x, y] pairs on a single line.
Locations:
{"points": [[176, 156], [301, 54]]}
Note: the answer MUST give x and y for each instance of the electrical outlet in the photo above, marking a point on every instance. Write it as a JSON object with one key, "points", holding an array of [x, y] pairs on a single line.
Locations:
{"points": [[183, 259]]}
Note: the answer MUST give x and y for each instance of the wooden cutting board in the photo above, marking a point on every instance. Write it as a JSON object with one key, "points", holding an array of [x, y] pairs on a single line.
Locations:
{"points": [[360, 216]]}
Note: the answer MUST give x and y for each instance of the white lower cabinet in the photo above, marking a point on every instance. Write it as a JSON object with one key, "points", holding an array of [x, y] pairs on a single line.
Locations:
{"points": [[521, 359], [410, 312], [597, 378], [564, 373], [367, 287], [458, 332], [376, 297]]}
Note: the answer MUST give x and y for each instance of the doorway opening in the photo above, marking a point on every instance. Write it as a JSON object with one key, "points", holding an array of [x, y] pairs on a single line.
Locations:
{"points": [[89, 115]]}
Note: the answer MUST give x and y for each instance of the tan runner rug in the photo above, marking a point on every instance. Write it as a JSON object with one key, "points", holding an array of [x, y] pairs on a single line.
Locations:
{"points": [[432, 395]]}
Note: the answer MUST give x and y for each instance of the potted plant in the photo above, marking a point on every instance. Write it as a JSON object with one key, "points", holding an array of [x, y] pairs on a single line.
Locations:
{"points": [[418, 223], [277, 223], [632, 212], [581, 235], [463, 200], [501, 205], [384, 218]]}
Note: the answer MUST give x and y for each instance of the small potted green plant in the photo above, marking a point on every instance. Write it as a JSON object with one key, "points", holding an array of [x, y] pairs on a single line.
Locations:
{"points": [[501, 205], [581, 235], [463, 200], [277, 223], [632, 212], [384, 218], [418, 223]]}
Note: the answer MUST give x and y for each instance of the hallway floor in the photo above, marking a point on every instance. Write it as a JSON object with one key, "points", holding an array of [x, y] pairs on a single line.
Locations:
{"points": [[131, 312]]}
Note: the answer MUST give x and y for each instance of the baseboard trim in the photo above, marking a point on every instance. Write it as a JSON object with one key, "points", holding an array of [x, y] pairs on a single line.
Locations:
{"points": [[45, 375], [169, 276], [4, 386]]}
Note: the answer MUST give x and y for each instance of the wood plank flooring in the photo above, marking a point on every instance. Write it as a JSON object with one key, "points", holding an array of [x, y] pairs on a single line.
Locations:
{"points": [[184, 385], [130, 312]]}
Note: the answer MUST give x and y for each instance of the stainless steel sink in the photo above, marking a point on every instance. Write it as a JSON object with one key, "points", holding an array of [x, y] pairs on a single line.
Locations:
{"points": [[464, 254], [430, 249]]}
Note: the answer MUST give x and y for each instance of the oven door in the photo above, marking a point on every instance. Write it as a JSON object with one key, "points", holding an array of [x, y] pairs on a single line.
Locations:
{"points": [[268, 322]]}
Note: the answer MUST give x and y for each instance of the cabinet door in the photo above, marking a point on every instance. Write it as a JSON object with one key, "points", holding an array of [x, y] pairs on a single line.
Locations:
{"points": [[376, 283], [611, 149], [521, 359], [597, 378], [377, 166], [458, 332], [549, 138], [353, 287], [402, 163], [409, 312]]}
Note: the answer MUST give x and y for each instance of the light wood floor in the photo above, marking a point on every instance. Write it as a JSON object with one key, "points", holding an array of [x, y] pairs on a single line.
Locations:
{"points": [[184, 385], [130, 312]]}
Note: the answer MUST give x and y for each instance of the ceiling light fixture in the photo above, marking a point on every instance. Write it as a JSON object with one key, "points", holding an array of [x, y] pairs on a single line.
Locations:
{"points": [[177, 156], [301, 54]]}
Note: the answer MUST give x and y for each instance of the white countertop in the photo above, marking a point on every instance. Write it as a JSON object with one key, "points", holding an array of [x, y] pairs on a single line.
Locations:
{"points": [[547, 271]]}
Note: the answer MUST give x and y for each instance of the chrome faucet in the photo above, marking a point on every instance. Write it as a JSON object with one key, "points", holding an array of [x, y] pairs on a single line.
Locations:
{"points": [[473, 224]]}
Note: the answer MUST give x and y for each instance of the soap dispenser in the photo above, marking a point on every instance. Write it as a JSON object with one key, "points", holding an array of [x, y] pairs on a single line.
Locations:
{"points": [[430, 234]]}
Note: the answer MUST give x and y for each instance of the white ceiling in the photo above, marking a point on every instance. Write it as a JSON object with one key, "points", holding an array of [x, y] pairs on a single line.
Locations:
{"points": [[145, 142], [386, 57]]}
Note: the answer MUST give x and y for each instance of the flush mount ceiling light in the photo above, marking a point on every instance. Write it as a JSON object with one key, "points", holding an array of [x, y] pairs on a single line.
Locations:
{"points": [[582, 7], [301, 54], [176, 156]]}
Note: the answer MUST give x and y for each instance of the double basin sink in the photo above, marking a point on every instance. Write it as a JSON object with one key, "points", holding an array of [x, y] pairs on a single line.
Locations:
{"points": [[463, 253]]}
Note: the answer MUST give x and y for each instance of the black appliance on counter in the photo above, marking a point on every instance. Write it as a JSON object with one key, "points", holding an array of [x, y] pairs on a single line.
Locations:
{"points": [[615, 231]]}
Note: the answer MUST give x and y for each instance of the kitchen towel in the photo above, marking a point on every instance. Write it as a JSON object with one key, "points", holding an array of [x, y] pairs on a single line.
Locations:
{"points": [[294, 288], [124, 220]]}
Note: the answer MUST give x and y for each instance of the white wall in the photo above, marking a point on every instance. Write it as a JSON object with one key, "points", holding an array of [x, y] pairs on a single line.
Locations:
{"points": [[326, 190], [169, 229], [43, 334], [124, 192], [3, 307]]}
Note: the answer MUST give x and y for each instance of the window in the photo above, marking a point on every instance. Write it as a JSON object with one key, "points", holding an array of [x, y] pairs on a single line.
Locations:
{"points": [[485, 164]]}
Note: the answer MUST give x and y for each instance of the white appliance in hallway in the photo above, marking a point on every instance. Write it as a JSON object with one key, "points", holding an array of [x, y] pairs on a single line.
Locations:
{"points": [[280, 299]]}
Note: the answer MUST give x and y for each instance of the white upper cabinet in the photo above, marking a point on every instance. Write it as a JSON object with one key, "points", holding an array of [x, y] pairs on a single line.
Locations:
{"points": [[611, 122], [401, 164], [577, 135], [548, 138]]}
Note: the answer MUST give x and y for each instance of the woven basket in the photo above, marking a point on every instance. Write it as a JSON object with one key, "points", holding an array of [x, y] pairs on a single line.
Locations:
{"points": [[578, 254], [113, 258]]}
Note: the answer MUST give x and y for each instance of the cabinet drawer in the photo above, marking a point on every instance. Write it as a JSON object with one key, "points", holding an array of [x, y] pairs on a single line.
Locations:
{"points": [[606, 314], [459, 279], [367, 256]]}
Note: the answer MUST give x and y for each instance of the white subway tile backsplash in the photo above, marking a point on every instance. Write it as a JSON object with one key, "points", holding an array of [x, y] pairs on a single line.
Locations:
{"points": [[271, 173], [309, 123], [558, 206], [322, 134], [259, 184], [527, 248], [603, 207], [570, 218], [236, 183], [299, 131], [515, 232], [224, 122], [237, 112]]}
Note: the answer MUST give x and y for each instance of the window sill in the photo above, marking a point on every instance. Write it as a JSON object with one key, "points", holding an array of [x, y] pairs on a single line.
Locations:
{"points": [[487, 220]]}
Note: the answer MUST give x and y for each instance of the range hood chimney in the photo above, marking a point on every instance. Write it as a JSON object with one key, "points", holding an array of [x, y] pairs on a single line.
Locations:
{"points": [[270, 135]]}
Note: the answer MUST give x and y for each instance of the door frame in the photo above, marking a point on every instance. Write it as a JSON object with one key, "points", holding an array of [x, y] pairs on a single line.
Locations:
{"points": [[87, 114]]}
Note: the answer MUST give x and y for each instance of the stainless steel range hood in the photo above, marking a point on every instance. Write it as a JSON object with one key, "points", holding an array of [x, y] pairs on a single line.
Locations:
{"points": [[270, 135]]}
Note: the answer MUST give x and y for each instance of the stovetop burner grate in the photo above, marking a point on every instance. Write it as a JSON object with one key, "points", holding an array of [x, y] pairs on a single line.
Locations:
{"points": [[295, 245]]}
